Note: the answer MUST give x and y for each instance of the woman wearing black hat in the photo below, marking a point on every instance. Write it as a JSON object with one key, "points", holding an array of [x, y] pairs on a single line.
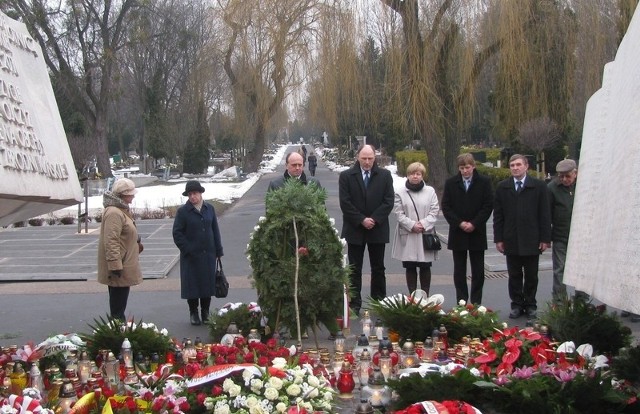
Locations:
{"points": [[197, 235]]}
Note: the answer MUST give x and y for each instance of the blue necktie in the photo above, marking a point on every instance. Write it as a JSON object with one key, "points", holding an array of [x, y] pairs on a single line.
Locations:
{"points": [[366, 179], [518, 186]]}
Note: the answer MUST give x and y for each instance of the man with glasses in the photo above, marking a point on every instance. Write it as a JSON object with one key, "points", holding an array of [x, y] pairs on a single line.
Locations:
{"points": [[562, 190]]}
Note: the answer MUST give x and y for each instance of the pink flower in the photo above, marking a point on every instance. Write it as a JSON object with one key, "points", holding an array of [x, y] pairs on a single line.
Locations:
{"points": [[523, 373]]}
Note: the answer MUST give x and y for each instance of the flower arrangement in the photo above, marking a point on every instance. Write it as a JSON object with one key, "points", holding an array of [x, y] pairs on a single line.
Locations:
{"points": [[109, 334], [296, 257], [416, 317], [583, 322], [472, 320], [434, 407], [512, 348], [246, 316], [270, 390]]}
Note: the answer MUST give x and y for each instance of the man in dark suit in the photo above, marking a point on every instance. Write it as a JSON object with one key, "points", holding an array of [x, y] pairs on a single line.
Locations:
{"points": [[366, 200], [295, 171], [467, 203], [522, 231]]}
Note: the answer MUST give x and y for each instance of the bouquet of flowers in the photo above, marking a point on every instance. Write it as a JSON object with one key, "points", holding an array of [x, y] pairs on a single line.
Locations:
{"points": [[434, 407], [512, 348], [268, 390], [468, 319]]}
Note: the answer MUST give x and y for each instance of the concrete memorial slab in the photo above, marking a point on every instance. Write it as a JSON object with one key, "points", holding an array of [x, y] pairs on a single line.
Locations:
{"points": [[603, 258], [37, 174]]}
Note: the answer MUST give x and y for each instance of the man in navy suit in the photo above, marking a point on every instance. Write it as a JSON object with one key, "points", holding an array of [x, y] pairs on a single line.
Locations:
{"points": [[522, 231], [366, 200]]}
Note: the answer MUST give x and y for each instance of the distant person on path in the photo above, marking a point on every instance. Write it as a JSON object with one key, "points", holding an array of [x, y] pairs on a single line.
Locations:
{"points": [[295, 170], [467, 203], [366, 200], [416, 207], [522, 231], [313, 163], [119, 247], [197, 235], [562, 191]]}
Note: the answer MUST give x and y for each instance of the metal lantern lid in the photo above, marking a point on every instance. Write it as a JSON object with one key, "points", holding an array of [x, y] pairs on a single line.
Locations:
{"points": [[232, 329], [408, 348], [363, 341], [364, 408]]}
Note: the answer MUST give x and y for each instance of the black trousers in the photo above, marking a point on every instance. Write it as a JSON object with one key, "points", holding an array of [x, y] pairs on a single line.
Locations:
{"points": [[476, 259], [355, 253], [523, 281], [118, 297], [204, 304]]}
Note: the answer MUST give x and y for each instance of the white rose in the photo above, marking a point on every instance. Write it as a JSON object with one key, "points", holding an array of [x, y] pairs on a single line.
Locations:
{"points": [[271, 393], [256, 228], [462, 302], [332, 221], [258, 409], [279, 363], [275, 382], [294, 390], [482, 309], [164, 332], [504, 325], [313, 381], [281, 407], [235, 390], [464, 313], [209, 403], [227, 384], [261, 219], [313, 393], [247, 375], [222, 409], [251, 401], [328, 396], [256, 384]]}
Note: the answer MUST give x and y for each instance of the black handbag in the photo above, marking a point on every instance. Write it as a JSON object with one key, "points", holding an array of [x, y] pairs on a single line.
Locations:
{"points": [[430, 241], [222, 285]]}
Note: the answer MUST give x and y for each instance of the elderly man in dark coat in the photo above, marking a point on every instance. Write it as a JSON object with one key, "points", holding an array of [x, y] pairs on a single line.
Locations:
{"points": [[522, 231], [197, 235], [366, 200], [467, 203]]}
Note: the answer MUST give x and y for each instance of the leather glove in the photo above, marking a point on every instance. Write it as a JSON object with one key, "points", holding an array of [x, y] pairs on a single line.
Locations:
{"points": [[140, 247], [115, 273]]}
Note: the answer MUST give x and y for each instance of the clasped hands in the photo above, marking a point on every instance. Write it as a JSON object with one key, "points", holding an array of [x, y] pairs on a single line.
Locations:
{"points": [[115, 273]]}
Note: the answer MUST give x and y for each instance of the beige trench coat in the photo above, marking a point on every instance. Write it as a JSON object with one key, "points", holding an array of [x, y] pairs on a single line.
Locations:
{"points": [[118, 249], [407, 246]]}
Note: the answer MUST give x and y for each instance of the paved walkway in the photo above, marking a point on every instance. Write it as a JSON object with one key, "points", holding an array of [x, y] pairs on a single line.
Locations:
{"points": [[48, 274]]}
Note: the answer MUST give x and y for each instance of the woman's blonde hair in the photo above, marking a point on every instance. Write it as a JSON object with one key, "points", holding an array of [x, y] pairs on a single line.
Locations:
{"points": [[416, 166]]}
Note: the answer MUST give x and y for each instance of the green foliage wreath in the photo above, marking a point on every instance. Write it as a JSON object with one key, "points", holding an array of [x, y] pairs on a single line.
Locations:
{"points": [[272, 253]]}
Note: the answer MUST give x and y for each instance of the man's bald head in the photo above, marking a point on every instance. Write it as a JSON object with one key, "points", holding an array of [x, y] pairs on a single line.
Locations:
{"points": [[295, 164]]}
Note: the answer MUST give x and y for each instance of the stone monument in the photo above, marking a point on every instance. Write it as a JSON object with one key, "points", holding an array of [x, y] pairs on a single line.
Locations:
{"points": [[37, 174], [603, 256]]}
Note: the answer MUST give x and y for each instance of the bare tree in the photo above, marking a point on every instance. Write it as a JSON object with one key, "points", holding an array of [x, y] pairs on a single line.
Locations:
{"points": [[267, 39], [81, 42], [539, 134]]}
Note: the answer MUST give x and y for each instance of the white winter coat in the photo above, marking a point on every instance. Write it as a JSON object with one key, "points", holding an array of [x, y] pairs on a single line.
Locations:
{"points": [[407, 246]]}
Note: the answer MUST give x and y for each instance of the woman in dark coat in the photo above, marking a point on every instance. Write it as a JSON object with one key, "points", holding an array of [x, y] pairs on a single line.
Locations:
{"points": [[197, 235]]}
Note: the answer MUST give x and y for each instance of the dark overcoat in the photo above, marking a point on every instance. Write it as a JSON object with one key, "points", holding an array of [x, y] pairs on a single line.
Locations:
{"points": [[357, 204], [197, 235], [522, 220], [474, 206]]}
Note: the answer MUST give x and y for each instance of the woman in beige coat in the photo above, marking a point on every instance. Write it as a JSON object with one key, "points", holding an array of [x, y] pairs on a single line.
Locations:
{"points": [[119, 247], [416, 208]]}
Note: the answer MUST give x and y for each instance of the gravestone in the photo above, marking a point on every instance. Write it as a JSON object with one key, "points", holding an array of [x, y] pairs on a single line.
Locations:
{"points": [[37, 174], [602, 257]]}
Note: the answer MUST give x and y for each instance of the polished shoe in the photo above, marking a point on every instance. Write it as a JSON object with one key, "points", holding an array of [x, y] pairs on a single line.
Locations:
{"points": [[515, 313], [205, 316], [532, 313], [624, 314], [195, 319]]}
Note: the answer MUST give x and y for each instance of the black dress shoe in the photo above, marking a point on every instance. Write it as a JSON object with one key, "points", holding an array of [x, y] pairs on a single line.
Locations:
{"points": [[532, 313], [515, 313], [205, 316], [195, 319]]}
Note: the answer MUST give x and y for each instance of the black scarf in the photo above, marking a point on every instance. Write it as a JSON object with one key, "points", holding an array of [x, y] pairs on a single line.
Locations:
{"points": [[303, 178], [414, 187]]}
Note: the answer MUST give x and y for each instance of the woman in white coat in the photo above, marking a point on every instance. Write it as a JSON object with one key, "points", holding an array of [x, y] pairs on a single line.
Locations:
{"points": [[416, 209]]}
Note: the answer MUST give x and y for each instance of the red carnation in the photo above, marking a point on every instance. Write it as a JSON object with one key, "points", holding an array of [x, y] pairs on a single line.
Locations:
{"points": [[303, 251], [216, 390], [157, 404], [131, 405], [184, 406], [263, 361], [271, 343]]}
